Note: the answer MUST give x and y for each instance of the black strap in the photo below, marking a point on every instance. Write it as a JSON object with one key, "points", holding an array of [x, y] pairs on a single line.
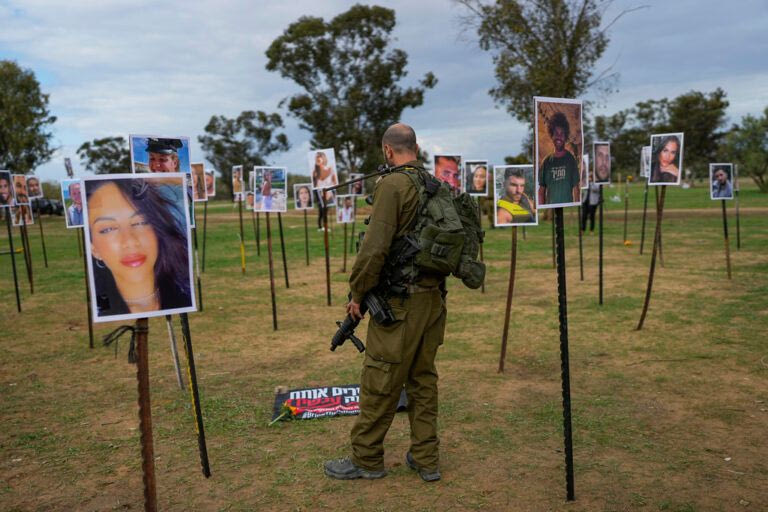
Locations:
{"points": [[115, 335]]}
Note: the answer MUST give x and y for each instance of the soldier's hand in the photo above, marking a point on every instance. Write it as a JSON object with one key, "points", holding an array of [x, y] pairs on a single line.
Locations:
{"points": [[353, 310]]}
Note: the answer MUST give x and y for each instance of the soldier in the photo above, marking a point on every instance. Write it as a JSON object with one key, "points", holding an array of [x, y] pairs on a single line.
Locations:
{"points": [[401, 354]]}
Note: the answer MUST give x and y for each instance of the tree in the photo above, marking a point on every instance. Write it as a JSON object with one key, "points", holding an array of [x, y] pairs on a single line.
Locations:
{"points": [[350, 78], [747, 145], [109, 155], [245, 140], [25, 141], [542, 48], [698, 115]]}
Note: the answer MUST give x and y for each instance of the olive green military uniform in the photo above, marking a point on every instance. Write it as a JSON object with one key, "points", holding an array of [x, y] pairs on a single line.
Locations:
{"points": [[404, 352]]}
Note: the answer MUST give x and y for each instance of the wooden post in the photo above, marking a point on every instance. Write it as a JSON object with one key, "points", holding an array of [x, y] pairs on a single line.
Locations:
{"points": [[282, 248], [258, 234], [656, 247], [327, 256], [344, 266], [564, 357], [7, 212], [600, 257], [205, 231], [195, 395], [510, 291], [145, 416], [271, 273], [645, 211], [242, 237], [661, 252], [87, 292], [306, 238], [79, 242], [725, 238]]}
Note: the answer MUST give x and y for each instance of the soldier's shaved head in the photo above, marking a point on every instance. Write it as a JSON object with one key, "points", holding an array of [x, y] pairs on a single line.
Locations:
{"points": [[401, 138]]}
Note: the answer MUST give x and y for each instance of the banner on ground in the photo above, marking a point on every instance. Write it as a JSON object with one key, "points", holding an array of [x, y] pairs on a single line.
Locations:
{"points": [[324, 401]]}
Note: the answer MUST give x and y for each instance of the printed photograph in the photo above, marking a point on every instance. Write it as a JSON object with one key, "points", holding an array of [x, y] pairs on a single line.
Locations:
{"points": [[238, 185], [156, 153], [72, 199], [448, 169], [269, 188], [476, 177], [666, 159], [249, 200], [6, 189], [322, 167], [34, 190], [198, 182], [345, 209], [327, 199], [138, 246], [357, 188], [302, 196], [558, 140], [645, 162], [584, 180], [20, 195], [210, 184], [22, 215], [721, 181], [601, 163], [514, 195]]}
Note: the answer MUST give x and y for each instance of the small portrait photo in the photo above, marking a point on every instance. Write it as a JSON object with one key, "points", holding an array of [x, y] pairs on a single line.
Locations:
{"points": [[302, 195], [198, 182], [514, 195], [249, 200], [345, 209], [584, 180], [6, 189], [326, 198], [210, 183], [322, 167], [269, 187], [21, 195], [22, 215], [666, 159], [559, 144], [138, 247], [34, 190], [72, 199], [601, 163], [156, 153], [721, 181], [68, 167], [448, 169], [476, 177], [645, 162], [238, 184], [357, 188]]}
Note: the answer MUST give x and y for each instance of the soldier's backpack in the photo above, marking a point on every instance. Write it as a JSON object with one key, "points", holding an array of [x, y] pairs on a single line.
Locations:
{"points": [[445, 237]]}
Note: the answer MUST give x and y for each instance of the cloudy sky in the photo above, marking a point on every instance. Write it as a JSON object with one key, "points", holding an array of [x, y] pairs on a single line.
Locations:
{"points": [[118, 67]]}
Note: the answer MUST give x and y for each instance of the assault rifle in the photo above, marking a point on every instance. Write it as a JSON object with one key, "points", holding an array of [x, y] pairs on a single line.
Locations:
{"points": [[380, 311]]}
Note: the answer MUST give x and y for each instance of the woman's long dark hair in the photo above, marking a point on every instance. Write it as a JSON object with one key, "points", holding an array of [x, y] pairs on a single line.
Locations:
{"points": [[172, 265], [655, 166]]}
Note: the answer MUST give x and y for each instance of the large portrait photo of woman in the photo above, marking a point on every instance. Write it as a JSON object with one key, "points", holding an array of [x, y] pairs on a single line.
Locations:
{"points": [[666, 159], [138, 246]]}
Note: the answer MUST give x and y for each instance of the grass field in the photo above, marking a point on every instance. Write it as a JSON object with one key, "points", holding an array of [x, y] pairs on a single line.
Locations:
{"points": [[671, 418]]}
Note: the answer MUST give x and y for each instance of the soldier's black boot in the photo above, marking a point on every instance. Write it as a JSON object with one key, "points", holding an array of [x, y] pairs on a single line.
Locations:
{"points": [[425, 474], [345, 469]]}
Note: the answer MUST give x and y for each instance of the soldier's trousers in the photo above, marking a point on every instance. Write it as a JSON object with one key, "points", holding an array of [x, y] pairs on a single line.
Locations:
{"points": [[396, 355]]}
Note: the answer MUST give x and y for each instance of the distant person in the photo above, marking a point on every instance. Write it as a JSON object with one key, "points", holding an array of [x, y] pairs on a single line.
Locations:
{"points": [[559, 171], [163, 154], [33, 187], [447, 170], [75, 210], [663, 166], [477, 180], [514, 206], [721, 184], [589, 207]]}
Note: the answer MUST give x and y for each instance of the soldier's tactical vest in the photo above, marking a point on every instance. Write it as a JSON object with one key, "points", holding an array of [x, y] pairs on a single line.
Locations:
{"points": [[444, 238]]}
